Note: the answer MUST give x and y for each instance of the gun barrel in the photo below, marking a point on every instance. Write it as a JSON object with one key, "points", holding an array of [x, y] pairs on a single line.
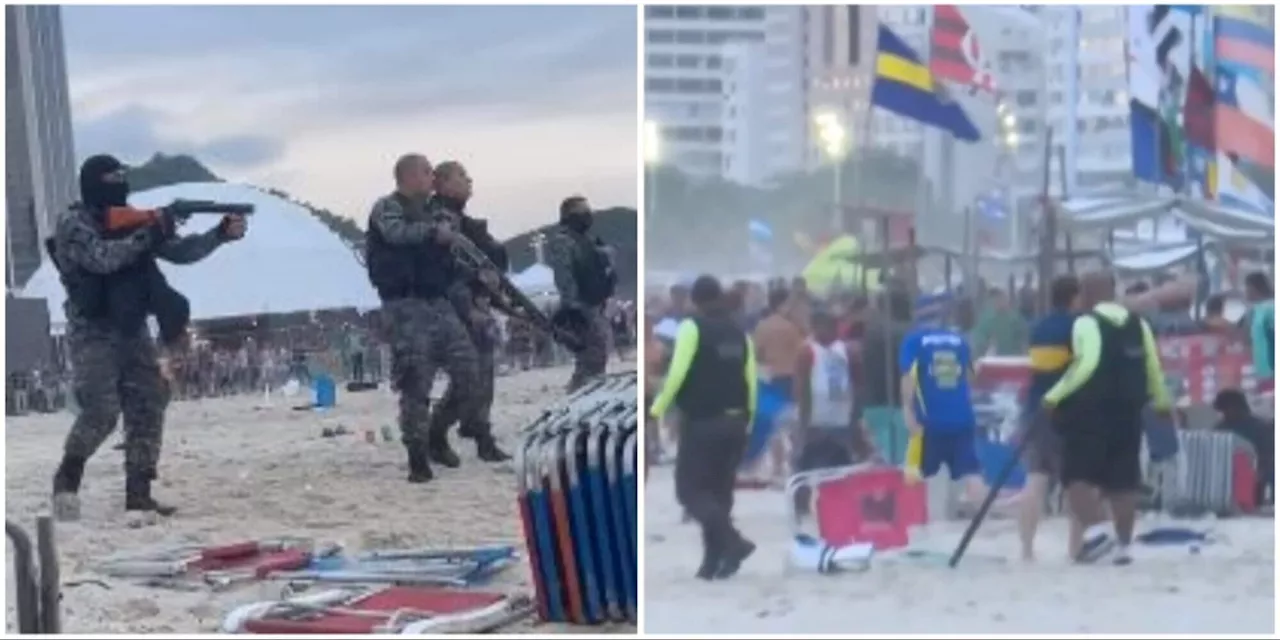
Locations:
{"points": [[512, 297], [190, 207]]}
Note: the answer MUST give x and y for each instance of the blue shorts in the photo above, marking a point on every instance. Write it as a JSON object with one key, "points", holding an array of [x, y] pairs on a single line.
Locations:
{"points": [[956, 449]]}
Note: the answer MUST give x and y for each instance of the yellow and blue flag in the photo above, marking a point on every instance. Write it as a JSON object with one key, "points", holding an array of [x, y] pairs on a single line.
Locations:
{"points": [[905, 86]]}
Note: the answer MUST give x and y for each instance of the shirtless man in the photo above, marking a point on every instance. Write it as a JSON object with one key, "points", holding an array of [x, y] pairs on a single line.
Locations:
{"points": [[778, 339]]}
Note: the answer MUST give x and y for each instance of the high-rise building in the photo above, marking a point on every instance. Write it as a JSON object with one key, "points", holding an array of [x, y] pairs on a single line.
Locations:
{"points": [[725, 87], [841, 45], [40, 173]]}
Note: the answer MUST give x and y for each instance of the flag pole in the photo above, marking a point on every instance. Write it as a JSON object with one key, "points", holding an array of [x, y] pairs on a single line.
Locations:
{"points": [[1072, 141]]}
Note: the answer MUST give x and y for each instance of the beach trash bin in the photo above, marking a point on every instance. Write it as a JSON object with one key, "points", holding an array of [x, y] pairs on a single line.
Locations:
{"points": [[326, 391]]}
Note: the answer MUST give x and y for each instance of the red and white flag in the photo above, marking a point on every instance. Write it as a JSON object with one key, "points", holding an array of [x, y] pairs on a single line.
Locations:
{"points": [[955, 53]]}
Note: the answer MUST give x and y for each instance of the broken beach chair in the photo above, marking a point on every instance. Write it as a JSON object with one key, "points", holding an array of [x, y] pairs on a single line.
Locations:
{"points": [[861, 503], [459, 567], [217, 566], [367, 610], [576, 477]]}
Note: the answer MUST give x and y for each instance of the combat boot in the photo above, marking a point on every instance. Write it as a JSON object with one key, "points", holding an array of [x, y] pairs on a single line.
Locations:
{"points": [[486, 447], [439, 451], [139, 507], [712, 555], [66, 489], [419, 466], [736, 550]]}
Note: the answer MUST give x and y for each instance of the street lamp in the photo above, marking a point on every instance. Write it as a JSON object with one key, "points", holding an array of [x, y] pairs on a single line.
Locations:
{"points": [[652, 157], [834, 141], [1008, 139], [652, 143]]}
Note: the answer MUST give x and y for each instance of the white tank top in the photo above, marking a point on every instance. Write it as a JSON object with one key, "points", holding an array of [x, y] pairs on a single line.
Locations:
{"points": [[830, 386]]}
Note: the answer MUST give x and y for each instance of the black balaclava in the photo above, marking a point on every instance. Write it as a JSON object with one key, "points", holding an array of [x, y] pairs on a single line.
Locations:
{"points": [[579, 221], [95, 192]]}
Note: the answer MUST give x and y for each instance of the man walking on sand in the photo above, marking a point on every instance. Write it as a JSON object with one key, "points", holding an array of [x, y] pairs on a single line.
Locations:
{"points": [[713, 382], [1097, 408], [1050, 354]]}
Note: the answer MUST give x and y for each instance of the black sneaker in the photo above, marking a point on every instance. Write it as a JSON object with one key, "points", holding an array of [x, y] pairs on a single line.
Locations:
{"points": [[739, 549], [419, 467]]}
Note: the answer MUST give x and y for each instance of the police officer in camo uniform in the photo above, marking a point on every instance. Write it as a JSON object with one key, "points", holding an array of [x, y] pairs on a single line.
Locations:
{"points": [[411, 265], [471, 299], [585, 280], [116, 367]]}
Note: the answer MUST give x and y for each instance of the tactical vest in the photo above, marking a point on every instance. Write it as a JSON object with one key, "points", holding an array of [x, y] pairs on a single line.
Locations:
{"points": [[716, 382], [407, 271], [592, 270], [124, 298], [1118, 387]]}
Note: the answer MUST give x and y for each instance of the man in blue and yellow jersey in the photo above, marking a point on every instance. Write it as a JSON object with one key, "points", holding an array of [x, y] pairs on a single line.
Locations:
{"points": [[712, 380], [1050, 354], [938, 407], [1097, 407]]}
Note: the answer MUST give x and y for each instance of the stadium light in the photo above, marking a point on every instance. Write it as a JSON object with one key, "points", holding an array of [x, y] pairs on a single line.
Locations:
{"points": [[832, 134], [652, 143]]}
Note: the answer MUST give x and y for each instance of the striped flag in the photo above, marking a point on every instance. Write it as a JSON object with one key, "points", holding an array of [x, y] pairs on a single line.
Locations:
{"points": [[1243, 119], [955, 52], [1242, 44], [905, 86]]}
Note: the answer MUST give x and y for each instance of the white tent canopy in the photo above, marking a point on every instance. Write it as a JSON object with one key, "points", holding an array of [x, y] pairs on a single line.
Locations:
{"points": [[537, 279], [289, 261], [1216, 220]]}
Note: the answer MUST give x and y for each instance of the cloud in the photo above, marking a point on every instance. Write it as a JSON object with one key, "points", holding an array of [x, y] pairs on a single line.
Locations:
{"points": [[134, 134], [538, 101]]}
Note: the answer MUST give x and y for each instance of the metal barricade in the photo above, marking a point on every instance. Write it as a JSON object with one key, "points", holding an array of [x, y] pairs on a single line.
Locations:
{"points": [[576, 471]]}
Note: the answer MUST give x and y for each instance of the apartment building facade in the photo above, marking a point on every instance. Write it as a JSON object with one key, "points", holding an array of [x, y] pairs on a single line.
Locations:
{"points": [[724, 85], [40, 178]]}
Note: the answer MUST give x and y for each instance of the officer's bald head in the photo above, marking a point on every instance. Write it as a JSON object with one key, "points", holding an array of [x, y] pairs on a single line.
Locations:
{"points": [[452, 180], [413, 175], [1096, 287]]}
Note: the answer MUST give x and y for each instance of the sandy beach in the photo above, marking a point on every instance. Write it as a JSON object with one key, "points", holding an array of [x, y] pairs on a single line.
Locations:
{"points": [[240, 468], [1228, 587]]}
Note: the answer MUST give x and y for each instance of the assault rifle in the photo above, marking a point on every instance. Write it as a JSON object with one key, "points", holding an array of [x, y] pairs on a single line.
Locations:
{"points": [[121, 218], [508, 298]]}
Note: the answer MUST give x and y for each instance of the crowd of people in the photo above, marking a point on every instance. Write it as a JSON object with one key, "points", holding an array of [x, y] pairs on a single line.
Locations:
{"points": [[266, 361], [886, 377]]}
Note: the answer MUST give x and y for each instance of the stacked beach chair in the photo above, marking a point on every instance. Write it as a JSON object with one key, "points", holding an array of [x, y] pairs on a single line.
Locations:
{"points": [[576, 469]]}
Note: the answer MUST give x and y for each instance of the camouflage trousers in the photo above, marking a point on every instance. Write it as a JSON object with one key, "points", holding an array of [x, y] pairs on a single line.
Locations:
{"points": [[592, 361], [427, 336], [114, 376], [448, 410]]}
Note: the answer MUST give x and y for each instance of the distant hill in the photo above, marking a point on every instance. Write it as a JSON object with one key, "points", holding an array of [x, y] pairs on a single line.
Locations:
{"points": [[164, 170], [616, 225]]}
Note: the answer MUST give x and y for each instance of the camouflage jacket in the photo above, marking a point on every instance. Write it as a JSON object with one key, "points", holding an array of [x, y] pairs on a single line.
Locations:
{"points": [[564, 248], [80, 244]]}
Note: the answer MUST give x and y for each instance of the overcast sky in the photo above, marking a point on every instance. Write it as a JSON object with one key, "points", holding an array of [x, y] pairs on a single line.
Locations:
{"points": [[537, 102]]}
